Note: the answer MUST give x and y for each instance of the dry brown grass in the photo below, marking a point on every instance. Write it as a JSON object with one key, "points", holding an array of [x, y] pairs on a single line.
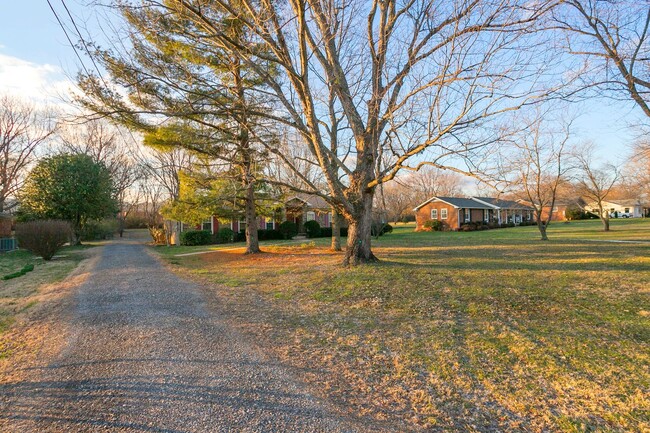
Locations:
{"points": [[28, 297], [457, 332]]}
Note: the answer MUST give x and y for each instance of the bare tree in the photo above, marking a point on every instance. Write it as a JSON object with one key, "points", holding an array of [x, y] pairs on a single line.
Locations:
{"points": [[23, 128], [595, 182], [108, 145], [403, 193], [398, 199], [412, 80], [432, 181], [637, 169], [536, 160], [612, 37]]}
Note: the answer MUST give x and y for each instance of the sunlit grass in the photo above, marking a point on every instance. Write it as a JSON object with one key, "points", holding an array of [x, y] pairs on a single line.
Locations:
{"points": [[479, 331], [18, 295]]}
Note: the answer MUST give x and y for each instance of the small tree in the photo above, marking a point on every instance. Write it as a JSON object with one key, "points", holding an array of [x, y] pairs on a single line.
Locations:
{"points": [[536, 159], [595, 182], [73, 188]]}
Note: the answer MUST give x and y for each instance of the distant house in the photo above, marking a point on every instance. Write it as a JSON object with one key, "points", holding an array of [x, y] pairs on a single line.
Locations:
{"points": [[301, 208], [560, 208], [632, 208], [455, 211]]}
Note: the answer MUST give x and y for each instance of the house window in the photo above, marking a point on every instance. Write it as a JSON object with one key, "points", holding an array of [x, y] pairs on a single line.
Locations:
{"points": [[443, 213], [311, 216], [468, 215], [207, 225], [270, 225], [486, 215], [242, 226], [434, 214]]}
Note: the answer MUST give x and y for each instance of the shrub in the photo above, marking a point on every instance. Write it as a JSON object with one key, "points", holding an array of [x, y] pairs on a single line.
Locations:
{"points": [[313, 229], [225, 236], [240, 237], [158, 234], [467, 227], [269, 235], [196, 237], [434, 225], [98, 230], [511, 224], [43, 237], [288, 229], [23, 271], [382, 228]]}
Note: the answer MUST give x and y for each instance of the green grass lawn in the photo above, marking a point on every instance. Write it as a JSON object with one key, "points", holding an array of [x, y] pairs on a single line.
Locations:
{"points": [[479, 331], [19, 294]]}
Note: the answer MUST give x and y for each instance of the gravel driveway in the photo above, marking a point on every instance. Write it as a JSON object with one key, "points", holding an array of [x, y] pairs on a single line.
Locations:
{"points": [[144, 353]]}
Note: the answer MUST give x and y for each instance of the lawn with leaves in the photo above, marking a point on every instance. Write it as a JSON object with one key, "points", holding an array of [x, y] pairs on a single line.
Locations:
{"points": [[479, 331]]}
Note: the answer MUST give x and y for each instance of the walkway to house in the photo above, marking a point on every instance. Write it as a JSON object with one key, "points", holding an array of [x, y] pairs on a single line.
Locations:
{"points": [[145, 352]]}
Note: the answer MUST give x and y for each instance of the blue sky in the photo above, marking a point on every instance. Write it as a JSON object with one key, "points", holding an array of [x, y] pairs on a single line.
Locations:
{"points": [[36, 61]]}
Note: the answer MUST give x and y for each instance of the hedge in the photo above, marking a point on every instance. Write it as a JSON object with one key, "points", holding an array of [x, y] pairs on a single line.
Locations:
{"points": [[196, 237]]}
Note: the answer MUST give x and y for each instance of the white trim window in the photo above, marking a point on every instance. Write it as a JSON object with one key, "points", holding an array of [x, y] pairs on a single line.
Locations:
{"points": [[311, 216], [443, 213], [434, 214], [468, 215], [207, 225], [486, 215]]}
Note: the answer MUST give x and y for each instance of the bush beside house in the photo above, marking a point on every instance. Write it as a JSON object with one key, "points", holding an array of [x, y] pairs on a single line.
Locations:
{"points": [[196, 237]]}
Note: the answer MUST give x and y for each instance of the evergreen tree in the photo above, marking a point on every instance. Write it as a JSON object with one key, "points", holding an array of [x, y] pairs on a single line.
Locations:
{"points": [[68, 187], [187, 92]]}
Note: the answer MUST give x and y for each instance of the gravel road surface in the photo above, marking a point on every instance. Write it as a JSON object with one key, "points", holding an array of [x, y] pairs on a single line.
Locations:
{"points": [[145, 353]]}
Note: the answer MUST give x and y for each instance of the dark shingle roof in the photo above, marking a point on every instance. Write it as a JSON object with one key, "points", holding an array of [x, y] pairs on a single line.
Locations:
{"points": [[312, 201], [502, 204], [463, 202]]}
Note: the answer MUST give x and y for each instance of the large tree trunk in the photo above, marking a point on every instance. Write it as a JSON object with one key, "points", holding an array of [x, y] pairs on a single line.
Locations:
{"points": [[336, 231], [360, 233], [252, 242]]}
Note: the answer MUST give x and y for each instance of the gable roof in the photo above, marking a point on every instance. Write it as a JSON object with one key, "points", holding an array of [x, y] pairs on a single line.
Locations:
{"points": [[498, 203], [311, 200], [457, 202]]}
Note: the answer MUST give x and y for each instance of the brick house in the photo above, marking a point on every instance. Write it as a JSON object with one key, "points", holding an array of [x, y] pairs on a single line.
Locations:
{"points": [[508, 211], [455, 211], [308, 207], [298, 209]]}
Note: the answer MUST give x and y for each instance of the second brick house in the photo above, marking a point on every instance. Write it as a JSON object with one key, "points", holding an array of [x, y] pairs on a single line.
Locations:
{"points": [[455, 211]]}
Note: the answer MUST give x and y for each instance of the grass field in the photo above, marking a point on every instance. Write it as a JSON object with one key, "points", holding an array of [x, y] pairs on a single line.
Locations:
{"points": [[19, 294], [479, 331]]}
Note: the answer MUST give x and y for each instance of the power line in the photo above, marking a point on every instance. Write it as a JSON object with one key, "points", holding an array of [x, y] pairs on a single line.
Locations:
{"points": [[85, 46], [65, 31]]}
